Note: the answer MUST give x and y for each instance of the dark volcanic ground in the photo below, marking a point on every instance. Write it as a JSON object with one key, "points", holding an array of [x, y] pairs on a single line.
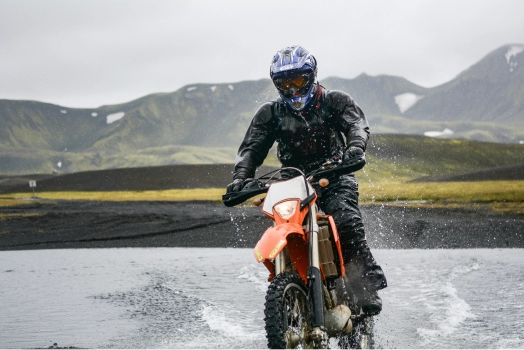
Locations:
{"points": [[85, 224]]}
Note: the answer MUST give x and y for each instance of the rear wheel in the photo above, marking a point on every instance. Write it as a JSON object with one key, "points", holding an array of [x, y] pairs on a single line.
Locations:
{"points": [[287, 313], [362, 335]]}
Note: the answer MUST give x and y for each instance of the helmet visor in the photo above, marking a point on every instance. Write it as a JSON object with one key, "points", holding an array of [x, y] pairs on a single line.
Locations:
{"points": [[291, 86]]}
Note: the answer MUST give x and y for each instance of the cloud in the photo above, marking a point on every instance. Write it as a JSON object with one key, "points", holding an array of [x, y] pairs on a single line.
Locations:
{"points": [[88, 53]]}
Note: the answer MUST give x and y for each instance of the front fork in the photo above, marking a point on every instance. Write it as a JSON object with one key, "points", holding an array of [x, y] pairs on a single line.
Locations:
{"points": [[313, 273], [316, 300]]}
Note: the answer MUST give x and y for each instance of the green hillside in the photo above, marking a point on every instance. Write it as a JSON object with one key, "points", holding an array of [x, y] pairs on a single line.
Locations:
{"points": [[20, 162], [390, 158], [196, 115], [401, 158], [406, 157]]}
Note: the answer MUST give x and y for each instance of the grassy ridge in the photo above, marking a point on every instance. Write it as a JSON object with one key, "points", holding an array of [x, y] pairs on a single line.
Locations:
{"points": [[505, 195], [399, 158], [466, 192], [197, 194]]}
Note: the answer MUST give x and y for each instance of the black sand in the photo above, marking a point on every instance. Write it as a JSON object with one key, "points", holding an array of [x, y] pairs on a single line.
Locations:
{"points": [[85, 224]]}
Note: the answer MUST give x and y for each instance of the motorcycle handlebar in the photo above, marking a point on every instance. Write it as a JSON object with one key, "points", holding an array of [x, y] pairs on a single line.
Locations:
{"points": [[256, 187], [341, 169]]}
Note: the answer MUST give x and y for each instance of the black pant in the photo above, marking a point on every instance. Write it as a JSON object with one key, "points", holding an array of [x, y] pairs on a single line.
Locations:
{"points": [[340, 200]]}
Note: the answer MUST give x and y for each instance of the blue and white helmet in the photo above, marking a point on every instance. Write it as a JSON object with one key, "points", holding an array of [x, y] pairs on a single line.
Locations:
{"points": [[293, 71]]}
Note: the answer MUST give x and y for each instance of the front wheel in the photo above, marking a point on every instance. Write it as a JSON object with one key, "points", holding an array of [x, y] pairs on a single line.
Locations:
{"points": [[287, 313]]}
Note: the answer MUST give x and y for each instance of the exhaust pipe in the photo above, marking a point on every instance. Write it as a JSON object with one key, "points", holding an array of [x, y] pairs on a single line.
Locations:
{"points": [[338, 320]]}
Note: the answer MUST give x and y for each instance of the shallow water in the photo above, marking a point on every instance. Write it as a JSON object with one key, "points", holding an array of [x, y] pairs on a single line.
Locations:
{"points": [[213, 298]]}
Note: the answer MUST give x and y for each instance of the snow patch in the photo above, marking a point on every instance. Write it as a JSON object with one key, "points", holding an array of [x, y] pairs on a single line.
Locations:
{"points": [[111, 118], [192, 88], [521, 142], [63, 111], [511, 53], [231, 87], [94, 114], [213, 88], [438, 133], [59, 164], [407, 100]]}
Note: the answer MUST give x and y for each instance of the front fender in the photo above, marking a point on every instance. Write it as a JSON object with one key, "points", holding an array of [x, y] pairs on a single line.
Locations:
{"points": [[275, 239]]}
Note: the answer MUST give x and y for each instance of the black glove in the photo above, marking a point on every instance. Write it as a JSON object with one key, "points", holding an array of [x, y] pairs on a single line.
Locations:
{"points": [[237, 185], [353, 155]]}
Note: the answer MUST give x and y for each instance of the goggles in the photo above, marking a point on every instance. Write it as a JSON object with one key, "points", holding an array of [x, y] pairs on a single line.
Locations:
{"points": [[290, 86]]}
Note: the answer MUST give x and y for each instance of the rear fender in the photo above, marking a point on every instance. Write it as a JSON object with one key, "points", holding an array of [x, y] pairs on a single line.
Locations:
{"points": [[275, 239]]}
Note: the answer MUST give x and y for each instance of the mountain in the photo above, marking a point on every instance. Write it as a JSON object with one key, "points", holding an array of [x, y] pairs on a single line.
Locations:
{"points": [[196, 115], [485, 102], [205, 123], [376, 95], [490, 91]]}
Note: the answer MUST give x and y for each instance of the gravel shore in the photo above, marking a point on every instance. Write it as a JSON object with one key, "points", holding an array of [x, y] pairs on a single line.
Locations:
{"points": [[87, 224]]}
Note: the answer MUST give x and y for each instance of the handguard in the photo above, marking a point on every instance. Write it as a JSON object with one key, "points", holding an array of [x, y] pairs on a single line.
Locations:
{"points": [[344, 168], [251, 189]]}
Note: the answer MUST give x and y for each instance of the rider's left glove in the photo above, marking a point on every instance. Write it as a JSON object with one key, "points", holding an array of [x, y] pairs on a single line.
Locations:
{"points": [[353, 155]]}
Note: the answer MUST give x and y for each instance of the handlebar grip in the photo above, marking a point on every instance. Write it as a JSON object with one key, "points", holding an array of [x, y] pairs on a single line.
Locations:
{"points": [[234, 198]]}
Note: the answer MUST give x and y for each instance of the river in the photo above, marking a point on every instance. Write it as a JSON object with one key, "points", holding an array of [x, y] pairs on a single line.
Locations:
{"points": [[214, 297]]}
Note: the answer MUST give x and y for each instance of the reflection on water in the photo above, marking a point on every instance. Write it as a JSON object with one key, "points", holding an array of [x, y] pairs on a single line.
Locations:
{"points": [[213, 298]]}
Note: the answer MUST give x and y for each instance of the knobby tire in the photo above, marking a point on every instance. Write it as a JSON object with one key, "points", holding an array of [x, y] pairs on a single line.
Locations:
{"points": [[287, 312]]}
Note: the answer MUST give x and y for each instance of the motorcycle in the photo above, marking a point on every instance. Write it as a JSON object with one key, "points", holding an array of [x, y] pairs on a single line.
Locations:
{"points": [[309, 302]]}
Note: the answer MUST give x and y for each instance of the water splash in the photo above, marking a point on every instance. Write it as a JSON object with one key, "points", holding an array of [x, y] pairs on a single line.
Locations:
{"points": [[447, 310]]}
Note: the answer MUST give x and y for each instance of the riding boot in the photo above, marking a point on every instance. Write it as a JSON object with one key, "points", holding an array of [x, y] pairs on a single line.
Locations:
{"points": [[360, 263], [365, 277]]}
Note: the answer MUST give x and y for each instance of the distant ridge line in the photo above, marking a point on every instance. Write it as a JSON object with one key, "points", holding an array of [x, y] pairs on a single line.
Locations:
{"points": [[164, 177]]}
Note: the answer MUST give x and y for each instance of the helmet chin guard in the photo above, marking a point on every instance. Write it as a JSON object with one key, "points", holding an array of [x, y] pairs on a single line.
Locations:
{"points": [[300, 102], [293, 72]]}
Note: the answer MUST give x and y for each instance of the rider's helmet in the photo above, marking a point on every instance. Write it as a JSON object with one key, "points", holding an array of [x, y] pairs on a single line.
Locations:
{"points": [[293, 71]]}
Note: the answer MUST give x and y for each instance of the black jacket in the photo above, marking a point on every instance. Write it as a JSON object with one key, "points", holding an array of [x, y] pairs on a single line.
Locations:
{"points": [[331, 123]]}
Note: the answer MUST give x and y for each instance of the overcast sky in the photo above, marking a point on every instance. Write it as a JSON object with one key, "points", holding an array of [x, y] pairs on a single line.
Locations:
{"points": [[87, 53]]}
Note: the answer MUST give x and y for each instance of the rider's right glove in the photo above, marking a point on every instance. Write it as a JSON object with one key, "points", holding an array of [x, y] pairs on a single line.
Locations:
{"points": [[353, 155], [237, 185]]}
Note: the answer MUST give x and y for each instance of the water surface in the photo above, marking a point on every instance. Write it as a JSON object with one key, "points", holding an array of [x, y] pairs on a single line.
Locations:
{"points": [[214, 297]]}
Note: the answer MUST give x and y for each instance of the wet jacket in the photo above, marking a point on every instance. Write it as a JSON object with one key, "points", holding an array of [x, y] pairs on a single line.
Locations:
{"points": [[331, 123]]}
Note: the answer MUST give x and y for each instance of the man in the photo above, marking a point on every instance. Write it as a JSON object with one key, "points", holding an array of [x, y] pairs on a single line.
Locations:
{"points": [[310, 126]]}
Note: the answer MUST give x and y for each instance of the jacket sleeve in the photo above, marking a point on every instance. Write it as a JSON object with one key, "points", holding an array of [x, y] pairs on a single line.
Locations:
{"points": [[348, 118], [258, 140]]}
